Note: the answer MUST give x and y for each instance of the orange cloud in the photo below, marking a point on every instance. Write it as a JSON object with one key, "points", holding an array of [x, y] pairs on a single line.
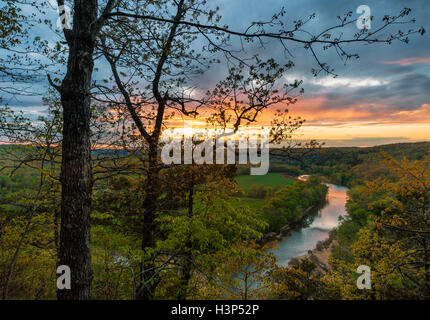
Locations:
{"points": [[408, 61], [311, 109], [358, 121]]}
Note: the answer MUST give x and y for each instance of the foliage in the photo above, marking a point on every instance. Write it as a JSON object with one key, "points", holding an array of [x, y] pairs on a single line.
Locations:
{"points": [[297, 283], [387, 229], [291, 204], [216, 225]]}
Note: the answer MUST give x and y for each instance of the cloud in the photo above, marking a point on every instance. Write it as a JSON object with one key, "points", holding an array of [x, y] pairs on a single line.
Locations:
{"points": [[408, 61], [415, 115], [388, 84], [365, 97]]}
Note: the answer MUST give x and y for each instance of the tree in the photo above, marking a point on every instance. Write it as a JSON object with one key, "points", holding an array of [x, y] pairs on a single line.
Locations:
{"points": [[13, 32], [163, 76], [211, 221], [406, 217], [76, 173], [258, 191], [165, 61], [291, 205], [154, 76], [29, 217], [297, 283], [387, 230], [74, 90], [241, 271]]}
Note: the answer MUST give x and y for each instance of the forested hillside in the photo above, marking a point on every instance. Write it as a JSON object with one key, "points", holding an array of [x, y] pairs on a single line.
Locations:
{"points": [[350, 166], [226, 213], [387, 229]]}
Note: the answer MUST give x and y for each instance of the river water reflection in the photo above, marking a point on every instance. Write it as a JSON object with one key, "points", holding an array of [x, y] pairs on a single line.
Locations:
{"points": [[299, 242]]}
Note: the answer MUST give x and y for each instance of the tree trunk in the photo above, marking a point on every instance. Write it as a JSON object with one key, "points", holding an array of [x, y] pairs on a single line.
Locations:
{"points": [[187, 269], [76, 172], [187, 266], [148, 275]]}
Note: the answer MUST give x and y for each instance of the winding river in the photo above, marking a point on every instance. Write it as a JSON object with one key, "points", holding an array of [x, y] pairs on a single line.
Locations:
{"points": [[299, 242]]}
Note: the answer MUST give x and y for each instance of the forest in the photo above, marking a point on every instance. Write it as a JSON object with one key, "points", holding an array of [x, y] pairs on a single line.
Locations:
{"points": [[221, 235], [90, 209]]}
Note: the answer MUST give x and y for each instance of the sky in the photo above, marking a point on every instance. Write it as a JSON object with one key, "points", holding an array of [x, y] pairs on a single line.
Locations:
{"points": [[381, 98]]}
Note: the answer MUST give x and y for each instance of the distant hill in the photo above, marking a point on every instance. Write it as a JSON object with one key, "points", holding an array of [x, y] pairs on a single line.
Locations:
{"points": [[351, 165], [341, 165]]}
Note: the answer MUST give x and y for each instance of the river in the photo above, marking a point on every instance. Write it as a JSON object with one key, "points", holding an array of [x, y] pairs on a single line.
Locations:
{"points": [[299, 242]]}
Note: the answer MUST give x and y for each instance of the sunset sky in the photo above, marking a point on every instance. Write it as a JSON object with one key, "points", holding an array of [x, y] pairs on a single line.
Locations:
{"points": [[381, 98]]}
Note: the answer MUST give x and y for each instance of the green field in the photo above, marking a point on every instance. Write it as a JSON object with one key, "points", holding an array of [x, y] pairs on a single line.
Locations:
{"points": [[271, 179]]}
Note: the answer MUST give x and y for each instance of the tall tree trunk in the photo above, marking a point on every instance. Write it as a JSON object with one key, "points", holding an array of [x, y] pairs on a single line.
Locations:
{"points": [[76, 172], [187, 269], [148, 275], [187, 266]]}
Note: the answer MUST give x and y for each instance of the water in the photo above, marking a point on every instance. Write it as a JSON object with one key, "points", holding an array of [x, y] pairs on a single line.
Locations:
{"points": [[299, 242]]}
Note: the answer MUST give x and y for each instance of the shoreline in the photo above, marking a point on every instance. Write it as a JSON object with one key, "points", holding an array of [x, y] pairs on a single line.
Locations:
{"points": [[319, 256], [286, 230]]}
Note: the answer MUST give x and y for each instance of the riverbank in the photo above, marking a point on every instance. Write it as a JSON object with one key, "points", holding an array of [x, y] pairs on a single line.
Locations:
{"points": [[311, 242], [293, 206], [286, 230], [319, 256]]}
